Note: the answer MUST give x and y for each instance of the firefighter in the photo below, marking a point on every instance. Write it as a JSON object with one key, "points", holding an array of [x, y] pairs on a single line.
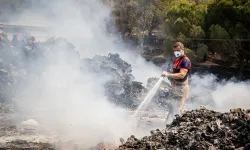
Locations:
{"points": [[179, 75]]}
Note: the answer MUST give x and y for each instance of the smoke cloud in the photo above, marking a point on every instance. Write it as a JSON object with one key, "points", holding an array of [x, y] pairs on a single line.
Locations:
{"points": [[219, 95], [65, 100]]}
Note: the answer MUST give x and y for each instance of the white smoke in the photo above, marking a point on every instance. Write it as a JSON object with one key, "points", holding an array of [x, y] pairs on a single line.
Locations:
{"points": [[219, 95], [66, 100], [232, 95]]}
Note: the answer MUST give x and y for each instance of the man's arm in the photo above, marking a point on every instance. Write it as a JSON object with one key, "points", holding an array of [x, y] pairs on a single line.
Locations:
{"points": [[180, 75], [183, 71]]}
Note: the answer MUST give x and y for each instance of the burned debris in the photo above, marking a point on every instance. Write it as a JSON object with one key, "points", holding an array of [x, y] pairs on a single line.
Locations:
{"points": [[120, 89], [24, 52], [200, 129], [22, 144]]}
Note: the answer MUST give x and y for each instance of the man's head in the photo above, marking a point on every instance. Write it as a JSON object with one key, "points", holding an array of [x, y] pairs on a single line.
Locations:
{"points": [[178, 49]]}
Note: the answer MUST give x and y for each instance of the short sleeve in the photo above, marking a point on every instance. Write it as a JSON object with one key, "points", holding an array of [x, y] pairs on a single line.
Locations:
{"points": [[185, 64]]}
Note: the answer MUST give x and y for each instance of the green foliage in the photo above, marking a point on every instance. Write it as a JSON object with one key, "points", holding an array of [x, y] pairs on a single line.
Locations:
{"points": [[232, 18], [184, 20], [218, 32], [191, 55], [204, 2], [124, 14], [221, 45], [168, 47], [190, 21], [228, 13], [201, 50], [137, 16], [197, 32]]}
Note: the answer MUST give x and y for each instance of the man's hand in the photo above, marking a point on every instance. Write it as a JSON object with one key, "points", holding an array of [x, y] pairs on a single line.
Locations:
{"points": [[179, 75], [164, 74]]}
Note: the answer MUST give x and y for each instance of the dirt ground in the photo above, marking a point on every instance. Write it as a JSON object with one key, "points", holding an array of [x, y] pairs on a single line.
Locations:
{"points": [[20, 135]]}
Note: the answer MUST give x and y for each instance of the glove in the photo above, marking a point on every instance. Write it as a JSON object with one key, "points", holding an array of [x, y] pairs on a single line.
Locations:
{"points": [[164, 74]]}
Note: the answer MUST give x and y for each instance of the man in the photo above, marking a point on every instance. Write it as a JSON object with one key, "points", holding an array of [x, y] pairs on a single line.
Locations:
{"points": [[179, 75]]}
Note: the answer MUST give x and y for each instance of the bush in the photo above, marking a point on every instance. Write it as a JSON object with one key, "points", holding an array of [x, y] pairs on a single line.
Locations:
{"points": [[201, 50], [167, 43], [191, 55]]}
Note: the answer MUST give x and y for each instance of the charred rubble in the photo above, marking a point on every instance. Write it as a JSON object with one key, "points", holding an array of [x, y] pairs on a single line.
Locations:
{"points": [[24, 52], [163, 95], [121, 89], [199, 129], [22, 144], [21, 53]]}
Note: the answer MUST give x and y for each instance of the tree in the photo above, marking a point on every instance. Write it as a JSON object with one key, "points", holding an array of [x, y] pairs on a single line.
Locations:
{"points": [[124, 14], [219, 46], [146, 16], [184, 20], [191, 55], [233, 17], [198, 2], [201, 51], [138, 17]]}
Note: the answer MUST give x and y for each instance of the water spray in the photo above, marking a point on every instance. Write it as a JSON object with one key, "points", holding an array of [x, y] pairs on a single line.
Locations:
{"points": [[149, 97]]}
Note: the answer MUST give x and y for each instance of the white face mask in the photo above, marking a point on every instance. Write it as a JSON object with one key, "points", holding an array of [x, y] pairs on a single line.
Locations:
{"points": [[177, 54]]}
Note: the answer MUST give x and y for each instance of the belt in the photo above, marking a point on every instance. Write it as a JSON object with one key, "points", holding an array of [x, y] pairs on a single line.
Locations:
{"points": [[180, 84]]}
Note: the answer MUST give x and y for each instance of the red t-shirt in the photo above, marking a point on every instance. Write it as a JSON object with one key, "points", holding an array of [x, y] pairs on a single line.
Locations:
{"points": [[183, 62]]}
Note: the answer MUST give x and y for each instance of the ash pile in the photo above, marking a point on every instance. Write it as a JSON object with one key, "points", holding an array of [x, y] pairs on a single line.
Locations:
{"points": [[162, 98], [120, 89], [21, 54], [199, 129], [23, 57], [22, 144]]}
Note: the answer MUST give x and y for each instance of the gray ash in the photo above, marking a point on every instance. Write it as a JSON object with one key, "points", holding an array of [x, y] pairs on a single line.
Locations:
{"points": [[200, 129]]}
